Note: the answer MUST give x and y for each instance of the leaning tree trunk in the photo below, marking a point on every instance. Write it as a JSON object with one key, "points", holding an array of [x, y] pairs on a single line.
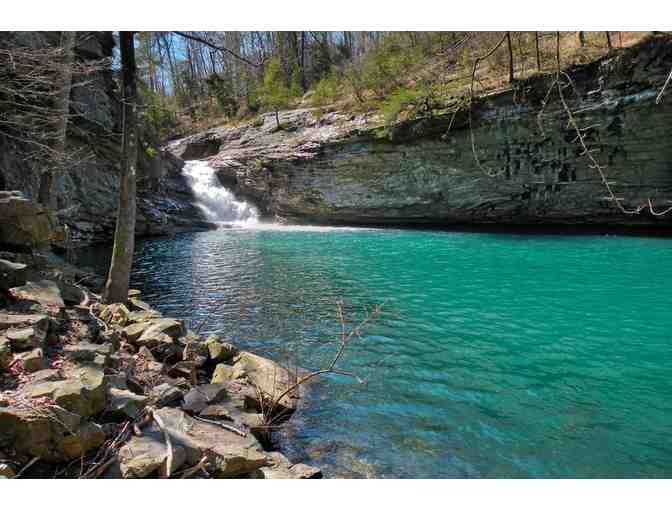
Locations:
{"points": [[116, 288], [46, 195]]}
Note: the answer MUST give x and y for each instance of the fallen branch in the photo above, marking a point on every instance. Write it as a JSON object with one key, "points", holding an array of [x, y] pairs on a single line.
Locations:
{"points": [[223, 425], [26, 467], [169, 443]]}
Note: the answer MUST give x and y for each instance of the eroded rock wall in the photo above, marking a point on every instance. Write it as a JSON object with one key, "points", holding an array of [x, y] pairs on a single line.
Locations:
{"points": [[338, 168], [88, 192]]}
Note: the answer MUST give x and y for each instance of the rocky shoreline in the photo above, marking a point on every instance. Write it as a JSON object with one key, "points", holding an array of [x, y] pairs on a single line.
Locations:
{"points": [[89, 390]]}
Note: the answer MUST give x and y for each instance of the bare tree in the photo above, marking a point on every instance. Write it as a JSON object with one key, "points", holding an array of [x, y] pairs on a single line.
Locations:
{"points": [[510, 49], [46, 192], [116, 288]]}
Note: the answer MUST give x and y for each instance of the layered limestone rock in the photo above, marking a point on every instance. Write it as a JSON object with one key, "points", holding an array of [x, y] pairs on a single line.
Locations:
{"points": [[342, 168]]}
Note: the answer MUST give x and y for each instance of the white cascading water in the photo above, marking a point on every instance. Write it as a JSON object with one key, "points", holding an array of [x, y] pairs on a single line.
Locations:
{"points": [[217, 202]]}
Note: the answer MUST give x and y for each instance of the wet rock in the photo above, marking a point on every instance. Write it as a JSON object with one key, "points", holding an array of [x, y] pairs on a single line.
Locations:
{"points": [[124, 402], [33, 360], [26, 338], [12, 274], [281, 468], [228, 453], [43, 294], [268, 377], [220, 352], [201, 396], [148, 454]]}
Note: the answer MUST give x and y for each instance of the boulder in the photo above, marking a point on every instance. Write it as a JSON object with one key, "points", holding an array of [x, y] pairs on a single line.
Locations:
{"points": [[15, 321], [225, 373], [199, 397], [147, 454], [115, 314], [194, 350], [84, 393], [143, 316], [280, 468], [160, 345], [169, 327], [268, 377], [228, 453], [186, 369], [125, 402], [33, 360], [12, 274], [25, 224], [71, 294], [44, 293], [165, 394], [30, 337], [134, 331], [220, 352], [86, 351], [53, 434]]}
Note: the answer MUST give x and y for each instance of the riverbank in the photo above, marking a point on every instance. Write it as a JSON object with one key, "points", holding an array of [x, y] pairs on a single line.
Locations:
{"points": [[89, 390]]}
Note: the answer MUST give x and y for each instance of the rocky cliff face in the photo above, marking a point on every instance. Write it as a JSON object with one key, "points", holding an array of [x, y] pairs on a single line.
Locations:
{"points": [[88, 193], [338, 168]]}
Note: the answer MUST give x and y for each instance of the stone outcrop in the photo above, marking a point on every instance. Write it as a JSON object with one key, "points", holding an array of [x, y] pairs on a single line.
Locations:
{"points": [[88, 192], [342, 168]]}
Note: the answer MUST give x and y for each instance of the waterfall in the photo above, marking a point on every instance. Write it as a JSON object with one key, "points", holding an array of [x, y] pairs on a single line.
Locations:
{"points": [[217, 202]]}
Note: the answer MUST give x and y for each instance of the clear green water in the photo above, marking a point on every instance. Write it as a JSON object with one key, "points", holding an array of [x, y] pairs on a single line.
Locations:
{"points": [[498, 355]]}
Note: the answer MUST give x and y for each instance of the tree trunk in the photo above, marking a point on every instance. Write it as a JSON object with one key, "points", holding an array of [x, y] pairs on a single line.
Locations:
{"points": [[277, 119], [116, 288], [536, 46], [46, 195], [608, 40], [582, 39], [508, 41]]}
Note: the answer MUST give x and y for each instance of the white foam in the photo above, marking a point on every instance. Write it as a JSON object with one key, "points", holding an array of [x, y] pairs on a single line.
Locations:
{"points": [[217, 203]]}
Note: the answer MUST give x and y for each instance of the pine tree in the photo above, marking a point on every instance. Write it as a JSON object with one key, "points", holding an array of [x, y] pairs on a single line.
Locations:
{"points": [[274, 93]]}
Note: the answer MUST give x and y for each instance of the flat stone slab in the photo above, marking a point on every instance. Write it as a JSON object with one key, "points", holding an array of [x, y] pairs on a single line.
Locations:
{"points": [[228, 453], [45, 293], [12, 274]]}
